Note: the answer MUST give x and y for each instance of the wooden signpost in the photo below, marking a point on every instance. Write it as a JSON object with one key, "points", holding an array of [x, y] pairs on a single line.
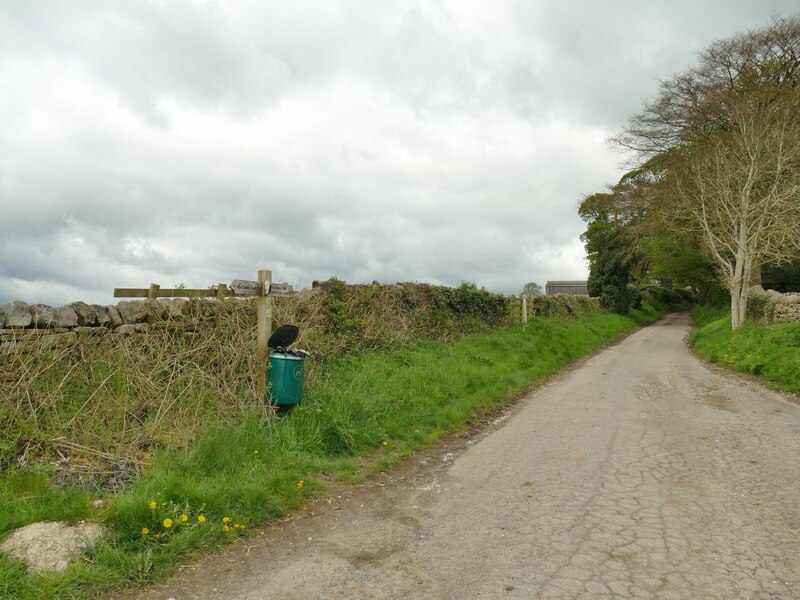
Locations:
{"points": [[262, 289], [264, 327]]}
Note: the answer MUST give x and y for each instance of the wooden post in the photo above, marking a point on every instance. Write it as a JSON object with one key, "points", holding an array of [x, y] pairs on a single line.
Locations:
{"points": [[264, 311], [152, 293], [221, 291], [524, 309]]}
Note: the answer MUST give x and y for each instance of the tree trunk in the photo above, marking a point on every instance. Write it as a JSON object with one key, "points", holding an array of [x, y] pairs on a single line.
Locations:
{"points": [[755, 278], [736, 319], [740, 289]]}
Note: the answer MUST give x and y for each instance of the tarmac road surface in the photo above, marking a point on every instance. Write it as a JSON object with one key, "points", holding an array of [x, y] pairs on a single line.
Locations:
{"points": [[642, 473]]}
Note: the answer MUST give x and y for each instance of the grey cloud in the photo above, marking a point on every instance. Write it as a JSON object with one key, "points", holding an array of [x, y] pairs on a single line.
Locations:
{"points": [[195, 142]]}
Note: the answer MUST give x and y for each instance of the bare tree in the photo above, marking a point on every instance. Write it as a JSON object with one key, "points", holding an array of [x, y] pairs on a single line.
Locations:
{"points": [[741, 188], [692, 106]]}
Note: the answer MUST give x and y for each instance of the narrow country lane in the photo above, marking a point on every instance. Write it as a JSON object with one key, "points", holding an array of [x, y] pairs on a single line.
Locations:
{"points": [[641, 474]]}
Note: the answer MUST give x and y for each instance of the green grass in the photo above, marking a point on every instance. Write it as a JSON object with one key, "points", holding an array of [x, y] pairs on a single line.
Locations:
{"points": [[772, 352], [363, 413]]}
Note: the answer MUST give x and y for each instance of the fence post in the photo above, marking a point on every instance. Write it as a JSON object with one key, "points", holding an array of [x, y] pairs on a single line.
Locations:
{"points": [[222, 288], [524, 309], [264, 328], [152, 293]]}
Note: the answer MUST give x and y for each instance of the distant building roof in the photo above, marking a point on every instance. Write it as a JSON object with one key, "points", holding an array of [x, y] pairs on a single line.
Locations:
{"points": [[584, 282]]}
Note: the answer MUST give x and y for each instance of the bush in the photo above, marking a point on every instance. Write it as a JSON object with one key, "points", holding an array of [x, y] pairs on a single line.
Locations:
{"points": [[634, 297], [662, 295], [360, 317], [760, 307]]}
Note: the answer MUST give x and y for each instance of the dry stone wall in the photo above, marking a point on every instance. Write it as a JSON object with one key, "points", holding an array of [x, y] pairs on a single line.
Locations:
{"points": [[787, 309], [772, 306], [23, 325]]}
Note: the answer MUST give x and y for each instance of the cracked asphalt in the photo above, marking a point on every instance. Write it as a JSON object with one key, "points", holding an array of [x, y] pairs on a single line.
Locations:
{"points": [[642, 473]]}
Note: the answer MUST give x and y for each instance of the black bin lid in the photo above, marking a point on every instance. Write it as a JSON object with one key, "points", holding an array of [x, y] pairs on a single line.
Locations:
{"points": [[284, 336]]}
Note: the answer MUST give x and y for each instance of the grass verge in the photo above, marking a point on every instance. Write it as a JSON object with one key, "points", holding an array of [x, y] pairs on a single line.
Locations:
{"points": [[770, 351], [362, 414]]}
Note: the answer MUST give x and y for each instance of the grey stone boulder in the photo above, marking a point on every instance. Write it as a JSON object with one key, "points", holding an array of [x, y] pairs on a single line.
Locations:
{"points": [[102, 314], [60, 340], [180, 308], [126, 329], [42, 316], [17, 314], [113, 314], [51, 546], [134, 311], [174, 306], [131, 328], [65, 316], [156, 311], [81, 330], [86, 315]]}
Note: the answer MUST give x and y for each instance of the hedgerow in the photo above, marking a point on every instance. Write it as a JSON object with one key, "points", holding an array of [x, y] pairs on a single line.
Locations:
{"points": [[565, 305]]}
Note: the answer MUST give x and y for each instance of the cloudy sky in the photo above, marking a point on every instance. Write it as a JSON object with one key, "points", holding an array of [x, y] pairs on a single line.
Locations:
{"points": [[194, 142]]}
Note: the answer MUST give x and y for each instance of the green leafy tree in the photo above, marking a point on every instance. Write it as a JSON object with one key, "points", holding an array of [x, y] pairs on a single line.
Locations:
{"points": [[611, 250], [532, 289]]}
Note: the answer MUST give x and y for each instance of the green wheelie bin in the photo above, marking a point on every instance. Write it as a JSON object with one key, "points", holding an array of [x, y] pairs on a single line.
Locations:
{"points": [[285, 369], [285, 378]]}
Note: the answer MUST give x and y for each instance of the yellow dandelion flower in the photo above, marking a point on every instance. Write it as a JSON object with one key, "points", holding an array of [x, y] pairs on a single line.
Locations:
{"points": [[226, 519], [157, 536], [201, 519], [152, 505], [300, 484], [225, 528], [145, 531], [385, 443], [167, 523], [184, 518]]}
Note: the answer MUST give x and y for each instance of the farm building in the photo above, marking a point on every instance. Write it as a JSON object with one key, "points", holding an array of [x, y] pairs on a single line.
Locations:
{"points": [[566, 287]]}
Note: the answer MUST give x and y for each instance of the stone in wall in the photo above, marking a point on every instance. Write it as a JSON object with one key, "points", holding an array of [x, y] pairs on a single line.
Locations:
{"points": [[86, 315], [23, 345], [786, 313], [131, 328], [103, 316], [84, 330], [60, 340], [65, 316], [42, 316], [175, 307], [113, 314], [785, 308], [133, 311], [126, 329], [17, 314], [156, 311]]}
